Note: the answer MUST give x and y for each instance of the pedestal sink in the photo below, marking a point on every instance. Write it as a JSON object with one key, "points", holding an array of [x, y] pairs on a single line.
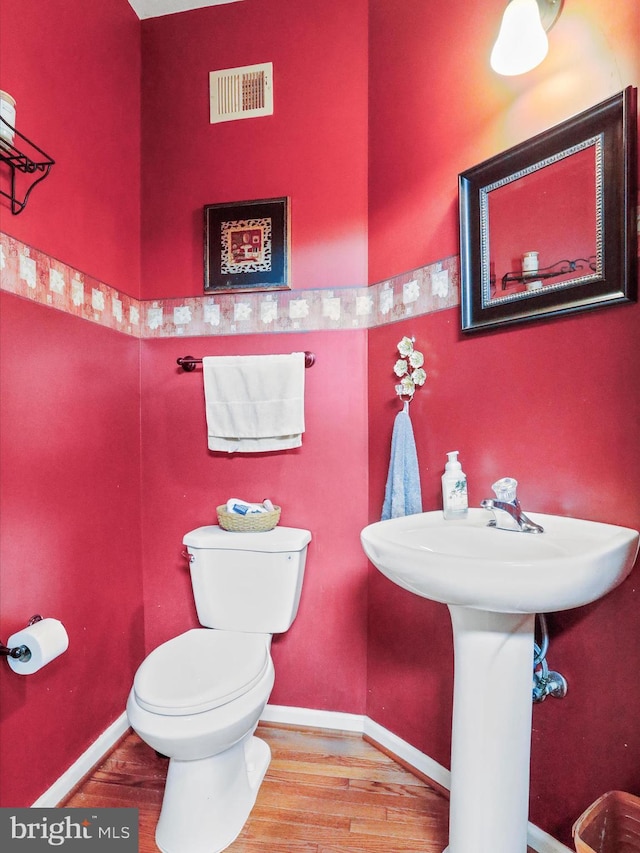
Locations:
{"points": [[494, 582]]}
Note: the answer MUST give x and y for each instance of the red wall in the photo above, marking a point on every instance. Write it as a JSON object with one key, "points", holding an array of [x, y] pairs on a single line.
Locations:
{"points": [[554, 404], [566, 432], [76, 81], [436, 108], [322, 486], [70, 424], [313, 149], [70, 544]]}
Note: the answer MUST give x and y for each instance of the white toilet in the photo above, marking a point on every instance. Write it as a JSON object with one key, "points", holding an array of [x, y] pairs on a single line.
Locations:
{"points": [[198, 697]]}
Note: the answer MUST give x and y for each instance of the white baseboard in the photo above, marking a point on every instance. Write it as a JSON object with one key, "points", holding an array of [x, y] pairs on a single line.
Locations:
{"points": [[409, 754], [290, 716], [542, 842], [537, 838], [79, 769]]}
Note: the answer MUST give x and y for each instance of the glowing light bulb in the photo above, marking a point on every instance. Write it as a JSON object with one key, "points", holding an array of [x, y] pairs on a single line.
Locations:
{"points": [[522, 42]]}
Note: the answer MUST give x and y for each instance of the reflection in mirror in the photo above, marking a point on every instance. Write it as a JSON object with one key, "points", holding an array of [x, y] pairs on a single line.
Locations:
{"points": [[539, 251], [548, 227]]}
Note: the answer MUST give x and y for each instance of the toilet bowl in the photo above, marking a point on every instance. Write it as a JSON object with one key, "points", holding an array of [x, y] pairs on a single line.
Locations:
{"points": [[216, 764], [198, 697]]}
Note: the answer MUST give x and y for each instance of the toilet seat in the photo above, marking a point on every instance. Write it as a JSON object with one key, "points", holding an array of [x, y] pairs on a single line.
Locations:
{"points": [[200, 670]]}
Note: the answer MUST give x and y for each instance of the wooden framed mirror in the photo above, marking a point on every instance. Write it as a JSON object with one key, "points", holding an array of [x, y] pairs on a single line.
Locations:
{"points": [[548, 227]]}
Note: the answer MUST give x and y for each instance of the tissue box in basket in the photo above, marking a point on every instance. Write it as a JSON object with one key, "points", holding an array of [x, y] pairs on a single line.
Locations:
{"points": [[258, 521]]}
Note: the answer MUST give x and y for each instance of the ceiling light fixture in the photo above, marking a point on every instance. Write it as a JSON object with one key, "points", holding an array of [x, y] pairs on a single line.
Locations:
{"points": [[522, 41]]}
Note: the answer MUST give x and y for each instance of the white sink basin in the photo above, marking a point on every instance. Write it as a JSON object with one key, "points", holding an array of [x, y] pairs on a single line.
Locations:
{"points": [[494, 582], [466, 562]]}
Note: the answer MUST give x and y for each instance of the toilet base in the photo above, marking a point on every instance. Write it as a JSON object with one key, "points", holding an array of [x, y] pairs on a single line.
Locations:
{"points": [[207, 801]]}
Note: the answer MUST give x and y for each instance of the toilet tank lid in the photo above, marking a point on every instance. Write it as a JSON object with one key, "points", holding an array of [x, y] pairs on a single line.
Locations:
{"points": [[277, 540]]}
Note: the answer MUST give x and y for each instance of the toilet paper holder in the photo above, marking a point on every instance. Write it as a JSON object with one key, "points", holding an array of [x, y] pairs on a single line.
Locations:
{"points": [[21, 653]]}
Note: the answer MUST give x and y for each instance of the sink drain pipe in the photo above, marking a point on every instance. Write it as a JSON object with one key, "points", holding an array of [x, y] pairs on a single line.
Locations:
{"points": [[546, 682]]}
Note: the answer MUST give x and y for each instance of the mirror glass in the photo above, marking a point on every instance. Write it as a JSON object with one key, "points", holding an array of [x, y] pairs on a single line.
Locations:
{"points": [[539, 242], [548, 227]]}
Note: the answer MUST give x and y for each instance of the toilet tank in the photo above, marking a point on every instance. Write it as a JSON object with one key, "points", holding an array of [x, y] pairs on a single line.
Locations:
{"points": [[247, 582]]}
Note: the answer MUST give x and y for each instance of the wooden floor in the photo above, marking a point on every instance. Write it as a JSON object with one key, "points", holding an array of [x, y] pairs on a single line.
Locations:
{"points": [[324, 792]]}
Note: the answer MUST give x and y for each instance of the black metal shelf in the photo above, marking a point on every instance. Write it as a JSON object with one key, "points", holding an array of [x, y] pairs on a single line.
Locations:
{"points": [[35, 162], [563, 267]]}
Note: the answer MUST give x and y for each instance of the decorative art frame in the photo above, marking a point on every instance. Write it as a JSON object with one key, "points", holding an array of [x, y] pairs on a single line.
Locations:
{"points": [[246, 246]]}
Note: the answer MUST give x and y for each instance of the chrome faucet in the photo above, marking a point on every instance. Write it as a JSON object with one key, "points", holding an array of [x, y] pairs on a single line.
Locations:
{"points": [[506, 509]]}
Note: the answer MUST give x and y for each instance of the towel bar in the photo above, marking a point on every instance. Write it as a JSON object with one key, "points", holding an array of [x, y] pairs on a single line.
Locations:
{"points": [[188, 362]]}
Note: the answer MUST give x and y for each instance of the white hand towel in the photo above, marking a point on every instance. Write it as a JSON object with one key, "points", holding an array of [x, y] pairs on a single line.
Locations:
{"points": [[254, 403]]}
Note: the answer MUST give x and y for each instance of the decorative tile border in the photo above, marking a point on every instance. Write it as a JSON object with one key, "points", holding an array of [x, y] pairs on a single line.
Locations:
{"points": [[421, 292], [32, 274]]}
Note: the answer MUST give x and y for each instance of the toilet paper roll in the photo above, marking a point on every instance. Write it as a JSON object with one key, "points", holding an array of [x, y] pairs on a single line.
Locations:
{"points": [[45, 640]]}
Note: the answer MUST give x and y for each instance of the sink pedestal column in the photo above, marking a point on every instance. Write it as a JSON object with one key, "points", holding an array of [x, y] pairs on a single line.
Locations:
{"points": [[491, 737]]}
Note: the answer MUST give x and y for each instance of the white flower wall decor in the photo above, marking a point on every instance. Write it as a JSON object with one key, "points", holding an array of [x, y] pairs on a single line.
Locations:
{"points": [[409, 369]]}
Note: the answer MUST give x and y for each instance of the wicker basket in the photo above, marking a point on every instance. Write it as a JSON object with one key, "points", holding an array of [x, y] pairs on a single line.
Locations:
{"points": [[257, 521], [610, 825]]}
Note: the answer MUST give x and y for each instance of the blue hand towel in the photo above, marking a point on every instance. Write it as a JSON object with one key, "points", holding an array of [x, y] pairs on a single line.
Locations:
{"points": [[402, 494]]}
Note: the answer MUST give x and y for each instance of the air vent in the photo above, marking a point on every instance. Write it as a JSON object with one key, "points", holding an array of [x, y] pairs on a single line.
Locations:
{"points": [[244, 92]]}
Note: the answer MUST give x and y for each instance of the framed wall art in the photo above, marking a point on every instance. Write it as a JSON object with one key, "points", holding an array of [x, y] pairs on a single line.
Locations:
{"points": [[246, 246]]}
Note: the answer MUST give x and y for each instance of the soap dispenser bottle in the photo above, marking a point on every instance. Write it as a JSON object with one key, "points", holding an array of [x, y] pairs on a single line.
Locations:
{"points": [[455, 501]]}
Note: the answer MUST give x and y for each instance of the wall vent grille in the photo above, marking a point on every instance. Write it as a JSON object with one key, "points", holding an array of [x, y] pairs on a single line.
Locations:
{"points": [[244, 92]]}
